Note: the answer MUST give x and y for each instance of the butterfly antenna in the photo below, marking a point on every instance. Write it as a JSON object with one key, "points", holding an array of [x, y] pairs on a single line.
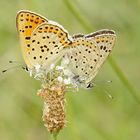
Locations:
{"points": [[3, 71], [109, 81], [13, 61], [102, 83], [103, 88], [13, 67], [109, 95]]}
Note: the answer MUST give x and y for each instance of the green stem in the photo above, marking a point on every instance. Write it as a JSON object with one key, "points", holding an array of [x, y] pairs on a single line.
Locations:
{"points": [[78, 16], [55, 135], [112, 61]]}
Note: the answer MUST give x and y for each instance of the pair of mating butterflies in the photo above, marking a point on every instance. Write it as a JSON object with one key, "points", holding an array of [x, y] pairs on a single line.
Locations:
{"points": [[44, 42]]}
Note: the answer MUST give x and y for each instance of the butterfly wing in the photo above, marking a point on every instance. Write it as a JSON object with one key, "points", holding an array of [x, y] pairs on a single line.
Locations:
{"points": [[26, 23], [88, 53], [48, 43], [83, 57], [105, 40]]}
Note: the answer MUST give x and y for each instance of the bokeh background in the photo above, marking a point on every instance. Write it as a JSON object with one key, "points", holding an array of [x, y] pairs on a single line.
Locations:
{"points": [[91, 114]]}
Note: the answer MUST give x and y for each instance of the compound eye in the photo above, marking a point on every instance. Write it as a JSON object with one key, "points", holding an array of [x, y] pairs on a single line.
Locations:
{"points": [[25, 68], [89, 85]]}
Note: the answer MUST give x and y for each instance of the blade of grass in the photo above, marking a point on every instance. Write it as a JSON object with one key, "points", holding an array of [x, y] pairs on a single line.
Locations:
{"points": [[112, 61], [73, 125]]}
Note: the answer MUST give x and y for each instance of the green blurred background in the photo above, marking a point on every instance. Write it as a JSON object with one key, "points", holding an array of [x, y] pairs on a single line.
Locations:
{"points": [[91, 114]]}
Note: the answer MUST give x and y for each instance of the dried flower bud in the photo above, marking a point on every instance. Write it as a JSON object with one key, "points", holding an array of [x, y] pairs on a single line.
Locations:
{"points": [[54, 102]]}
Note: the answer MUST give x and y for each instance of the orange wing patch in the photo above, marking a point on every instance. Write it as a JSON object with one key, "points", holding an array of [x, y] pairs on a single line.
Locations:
{"points": [[26, 23]]}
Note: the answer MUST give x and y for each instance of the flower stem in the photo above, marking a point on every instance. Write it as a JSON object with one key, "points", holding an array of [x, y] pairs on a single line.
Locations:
{"points": [[55, 135]]}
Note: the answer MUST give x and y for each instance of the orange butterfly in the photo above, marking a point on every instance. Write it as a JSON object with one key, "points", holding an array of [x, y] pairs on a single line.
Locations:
{"points": [[42, 41]]}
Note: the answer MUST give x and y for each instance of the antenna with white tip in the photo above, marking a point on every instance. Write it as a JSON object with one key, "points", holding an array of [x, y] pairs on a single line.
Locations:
{"points": [[102, 86], [13, 67]]}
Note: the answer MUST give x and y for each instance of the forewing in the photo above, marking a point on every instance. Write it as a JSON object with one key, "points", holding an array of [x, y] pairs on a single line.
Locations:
{"points": [[83, 56], [48, 44], [105, 40], [26, 23]]}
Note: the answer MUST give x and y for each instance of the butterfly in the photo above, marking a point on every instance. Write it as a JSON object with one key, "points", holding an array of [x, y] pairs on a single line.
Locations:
{"points": [[43, 41], [88, 53]]}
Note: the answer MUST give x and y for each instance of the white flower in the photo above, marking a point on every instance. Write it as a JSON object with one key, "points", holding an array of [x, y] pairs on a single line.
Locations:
{"points": [[37, 68], [67, 81], [52, 66], [59, 68], [30, 73], [68, 73], [60, 79]]}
